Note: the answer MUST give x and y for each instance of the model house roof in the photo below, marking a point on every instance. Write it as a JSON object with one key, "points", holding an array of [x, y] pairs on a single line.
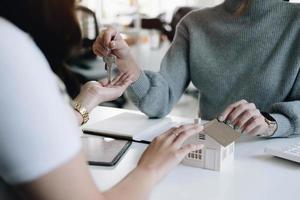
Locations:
{"points": [[221, 132]]}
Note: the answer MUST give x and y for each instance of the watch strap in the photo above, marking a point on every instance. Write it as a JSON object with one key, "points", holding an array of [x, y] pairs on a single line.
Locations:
{"points": [[272, 125]]}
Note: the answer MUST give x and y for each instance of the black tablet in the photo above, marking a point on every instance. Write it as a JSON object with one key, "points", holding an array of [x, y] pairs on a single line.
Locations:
{"points": [[103, 151]]}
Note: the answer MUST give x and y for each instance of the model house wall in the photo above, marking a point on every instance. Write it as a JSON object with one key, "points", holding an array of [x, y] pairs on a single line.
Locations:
{"points": [[214, 155]]}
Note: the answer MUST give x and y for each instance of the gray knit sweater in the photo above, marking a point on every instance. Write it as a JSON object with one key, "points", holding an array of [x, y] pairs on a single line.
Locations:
{"points": [[255, 57]]}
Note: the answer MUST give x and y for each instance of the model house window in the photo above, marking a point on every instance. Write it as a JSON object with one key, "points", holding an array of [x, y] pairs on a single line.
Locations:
{"points": [[196, 155], [201, 137]]}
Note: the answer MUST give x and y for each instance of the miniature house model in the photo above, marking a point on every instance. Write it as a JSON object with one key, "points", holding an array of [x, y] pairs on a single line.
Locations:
{"points": [[218, 140]]}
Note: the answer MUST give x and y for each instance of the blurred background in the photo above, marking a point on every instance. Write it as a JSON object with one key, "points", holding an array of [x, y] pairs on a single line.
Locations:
{"points": [[147, 25]]}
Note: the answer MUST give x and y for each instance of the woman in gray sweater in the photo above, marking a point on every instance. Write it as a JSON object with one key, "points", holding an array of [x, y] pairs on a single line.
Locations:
{"points": [[243, 56]]}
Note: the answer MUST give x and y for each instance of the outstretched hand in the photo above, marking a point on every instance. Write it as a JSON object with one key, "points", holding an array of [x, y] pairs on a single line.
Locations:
{"points": [[168, 150], [113, 90], [94, 93]]}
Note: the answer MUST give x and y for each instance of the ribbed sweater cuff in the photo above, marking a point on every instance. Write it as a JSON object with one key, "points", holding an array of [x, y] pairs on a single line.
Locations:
{"points": [[284, 128], [140, 87]]}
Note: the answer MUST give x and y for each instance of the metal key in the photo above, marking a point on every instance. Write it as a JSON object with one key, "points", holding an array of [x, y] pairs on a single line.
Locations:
{"points": [[109, 61]]}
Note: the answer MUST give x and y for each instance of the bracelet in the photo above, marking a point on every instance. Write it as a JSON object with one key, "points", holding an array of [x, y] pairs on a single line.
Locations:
{"points": [[82, 111]]}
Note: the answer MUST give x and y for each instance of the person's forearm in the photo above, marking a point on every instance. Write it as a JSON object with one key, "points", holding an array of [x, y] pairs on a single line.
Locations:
{"points": [[284, 126], [136, 186], [153, 87]]}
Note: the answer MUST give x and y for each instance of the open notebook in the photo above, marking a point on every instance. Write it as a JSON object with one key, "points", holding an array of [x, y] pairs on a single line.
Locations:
{"points": [[131, 126]]}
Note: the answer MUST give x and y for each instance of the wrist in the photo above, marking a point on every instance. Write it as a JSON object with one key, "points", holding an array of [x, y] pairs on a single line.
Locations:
{"points": [[130, 67], [272, 125], [81, 110], [272, 129], [148, 173], [136, 71], [88, 102]]}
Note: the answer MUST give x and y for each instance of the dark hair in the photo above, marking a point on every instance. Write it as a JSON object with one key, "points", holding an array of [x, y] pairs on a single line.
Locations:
{"points": [[54, 28]]}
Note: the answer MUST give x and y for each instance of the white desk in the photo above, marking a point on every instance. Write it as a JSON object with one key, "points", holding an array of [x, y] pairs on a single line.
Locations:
{"points": [[253, 176]]}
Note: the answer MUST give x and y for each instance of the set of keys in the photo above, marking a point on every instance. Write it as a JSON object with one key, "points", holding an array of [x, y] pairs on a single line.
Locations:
{"points": [[110, 61]]}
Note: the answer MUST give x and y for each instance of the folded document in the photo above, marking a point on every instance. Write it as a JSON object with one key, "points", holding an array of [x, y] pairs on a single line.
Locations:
{"points": [[131, 126]]}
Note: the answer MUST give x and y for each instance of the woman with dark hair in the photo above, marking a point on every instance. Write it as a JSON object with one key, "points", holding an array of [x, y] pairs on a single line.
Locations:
{"points": [[242, 55], [40, 149]]}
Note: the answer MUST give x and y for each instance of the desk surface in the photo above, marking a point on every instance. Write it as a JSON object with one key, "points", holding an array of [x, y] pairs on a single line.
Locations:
{"points": [[253, 175]]}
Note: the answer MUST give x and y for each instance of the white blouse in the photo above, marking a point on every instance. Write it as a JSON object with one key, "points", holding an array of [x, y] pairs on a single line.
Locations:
{"points": [[38, 129]]}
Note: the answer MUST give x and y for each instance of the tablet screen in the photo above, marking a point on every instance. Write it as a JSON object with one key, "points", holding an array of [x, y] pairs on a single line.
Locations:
{"points": [[103, 151]]}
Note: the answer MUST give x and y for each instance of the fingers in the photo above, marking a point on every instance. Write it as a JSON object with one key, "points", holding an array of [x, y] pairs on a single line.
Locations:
{"points": [[99, 47], [257, 131], [170, 136], [116, 80], [182, 152], [254, 125], [237, 111], [174, 138], [121, 81], [125, 76], [108, 41], [245, 117], [177, 136], [229, 109], [103, 43], [167, 135], [183, 128], [184, 135], [108, 36], [125, 84], [118, 84]]}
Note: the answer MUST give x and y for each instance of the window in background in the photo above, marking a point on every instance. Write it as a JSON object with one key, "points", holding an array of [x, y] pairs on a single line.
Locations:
{"points": [[116, 11]]}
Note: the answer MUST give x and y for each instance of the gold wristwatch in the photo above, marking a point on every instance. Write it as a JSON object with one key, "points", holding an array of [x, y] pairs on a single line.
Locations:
{"points": [[82, 110], [272, 125]]}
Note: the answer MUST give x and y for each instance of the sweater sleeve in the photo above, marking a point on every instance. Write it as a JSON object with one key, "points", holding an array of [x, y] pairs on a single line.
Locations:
{"points": [[287, 114], [155, 93]]}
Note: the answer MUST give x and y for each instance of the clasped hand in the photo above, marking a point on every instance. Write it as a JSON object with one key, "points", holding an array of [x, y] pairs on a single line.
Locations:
{"points": [[245, 117]]}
